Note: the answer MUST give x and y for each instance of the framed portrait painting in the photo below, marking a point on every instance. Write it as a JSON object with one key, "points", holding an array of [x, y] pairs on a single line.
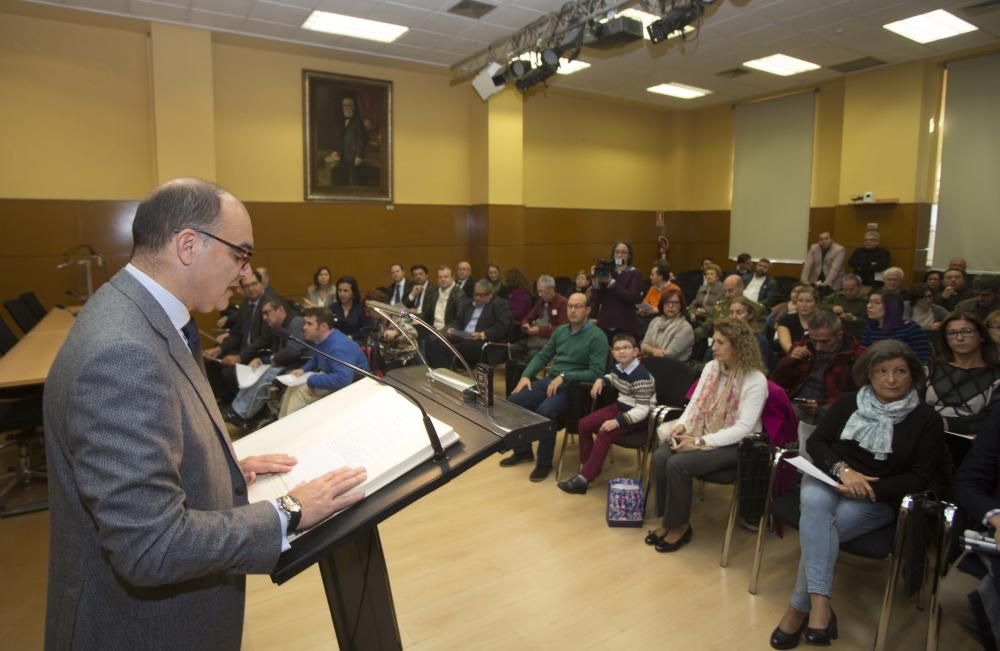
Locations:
{"points": [[348, 137]]}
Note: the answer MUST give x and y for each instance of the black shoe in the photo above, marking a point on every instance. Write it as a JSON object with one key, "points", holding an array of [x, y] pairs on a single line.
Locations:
{"points": [[783, 640], [665, 547], [652, 538], [516, 458], [540, 473], [576, 484], [822, 636], [229, 415]]}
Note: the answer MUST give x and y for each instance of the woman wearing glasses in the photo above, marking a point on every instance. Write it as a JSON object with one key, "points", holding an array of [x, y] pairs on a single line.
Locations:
{"points": [[670, 334], [921, 307], [964, 383]]}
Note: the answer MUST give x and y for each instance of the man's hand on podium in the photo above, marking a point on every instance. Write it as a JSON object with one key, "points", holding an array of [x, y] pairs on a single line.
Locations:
{"points": [[325, 495]]}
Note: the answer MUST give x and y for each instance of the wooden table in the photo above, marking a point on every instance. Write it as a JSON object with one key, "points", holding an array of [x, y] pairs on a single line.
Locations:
{"points": [[29, 361]]}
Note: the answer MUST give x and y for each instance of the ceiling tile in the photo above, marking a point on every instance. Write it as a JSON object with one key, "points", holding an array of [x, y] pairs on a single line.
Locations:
{"points": [[239, 8], [279, 13], [219, 21], [158, 11], [444, 23], [273, 30], [512, 17], [115, 6], [420, 38], [397, 14], [433, 5]]}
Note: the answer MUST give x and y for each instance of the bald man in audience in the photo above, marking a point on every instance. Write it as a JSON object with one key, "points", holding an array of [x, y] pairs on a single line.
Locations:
{"points": [[850, 303], [732, 287], [463, 277]]}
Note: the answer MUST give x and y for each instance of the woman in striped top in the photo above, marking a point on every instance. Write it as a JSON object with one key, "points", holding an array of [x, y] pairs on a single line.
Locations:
{"points": [[885, 321]]}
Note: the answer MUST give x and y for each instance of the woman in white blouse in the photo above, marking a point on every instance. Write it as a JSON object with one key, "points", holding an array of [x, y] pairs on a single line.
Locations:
{"points": [[724, 409]]}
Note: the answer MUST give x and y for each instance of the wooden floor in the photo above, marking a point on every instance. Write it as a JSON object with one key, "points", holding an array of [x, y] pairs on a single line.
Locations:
{"points": [[492, 561]]}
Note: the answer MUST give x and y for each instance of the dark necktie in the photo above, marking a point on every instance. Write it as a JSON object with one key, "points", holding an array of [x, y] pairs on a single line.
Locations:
{"points": [[190, 332], [395, 295]]}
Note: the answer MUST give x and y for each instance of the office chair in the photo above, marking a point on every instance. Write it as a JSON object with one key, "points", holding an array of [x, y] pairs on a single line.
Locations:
{"points": [[21, 314], [7, 338], [21, 418], [34, 305]]}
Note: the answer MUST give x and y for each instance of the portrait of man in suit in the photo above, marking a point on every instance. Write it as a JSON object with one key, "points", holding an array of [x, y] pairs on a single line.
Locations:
{"points": [[151, 530]]}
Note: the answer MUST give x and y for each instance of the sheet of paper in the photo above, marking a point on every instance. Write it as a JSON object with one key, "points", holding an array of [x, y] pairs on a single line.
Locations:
{"points": [[805, 466], [246, 377], [290, 380]]}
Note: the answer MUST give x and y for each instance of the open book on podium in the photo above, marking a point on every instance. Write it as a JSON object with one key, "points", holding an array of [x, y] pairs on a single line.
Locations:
{"points": [[365, 424]]}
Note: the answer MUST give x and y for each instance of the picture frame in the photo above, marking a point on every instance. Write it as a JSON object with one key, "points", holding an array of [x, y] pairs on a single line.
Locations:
{"points": [[347, 123]]}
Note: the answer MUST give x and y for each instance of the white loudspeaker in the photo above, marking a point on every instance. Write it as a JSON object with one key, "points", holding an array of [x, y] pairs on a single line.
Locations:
{"points": [[868, 197], [483, 82]]}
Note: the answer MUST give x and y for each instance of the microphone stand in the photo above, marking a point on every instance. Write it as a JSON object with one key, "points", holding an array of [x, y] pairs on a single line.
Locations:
{"points": [[439, 453], [388, 315], [406, 314]]}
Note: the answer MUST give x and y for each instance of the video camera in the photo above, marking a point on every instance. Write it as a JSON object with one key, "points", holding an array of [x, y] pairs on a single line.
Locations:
{"points": [[603, 269]]}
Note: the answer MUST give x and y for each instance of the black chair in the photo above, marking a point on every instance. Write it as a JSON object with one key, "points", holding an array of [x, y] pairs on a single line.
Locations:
{"points": [[7, 338], [565, 285], [689, 282], [34, 305], [21, 419], [884, 543], [21, 314]]}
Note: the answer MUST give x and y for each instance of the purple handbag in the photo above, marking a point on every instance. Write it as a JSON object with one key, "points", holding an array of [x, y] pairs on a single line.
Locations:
{"points": [[626, 503]]}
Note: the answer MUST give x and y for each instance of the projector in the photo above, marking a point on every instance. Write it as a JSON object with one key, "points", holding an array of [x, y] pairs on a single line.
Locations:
{"points": [[617, 32]]}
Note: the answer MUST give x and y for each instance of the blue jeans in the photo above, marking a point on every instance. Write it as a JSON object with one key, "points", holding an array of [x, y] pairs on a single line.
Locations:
{"points": [[537, 401], [249, 401], [826, 519]]}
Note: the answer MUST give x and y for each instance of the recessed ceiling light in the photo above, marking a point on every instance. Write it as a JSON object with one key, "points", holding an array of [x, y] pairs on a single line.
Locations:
{"points": [[780, 64], [932, 26], [373, 30], [682, 91], [647, 19], [566, 67]]}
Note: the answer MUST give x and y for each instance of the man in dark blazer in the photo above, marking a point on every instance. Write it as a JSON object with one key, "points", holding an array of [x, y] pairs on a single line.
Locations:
{"points": [[485, 318], [463, 278], [151, 532], [399, 287]]}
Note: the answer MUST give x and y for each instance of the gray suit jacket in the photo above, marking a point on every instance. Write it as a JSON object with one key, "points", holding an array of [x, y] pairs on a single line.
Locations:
{"points": [[151, 533], [832, 265]]}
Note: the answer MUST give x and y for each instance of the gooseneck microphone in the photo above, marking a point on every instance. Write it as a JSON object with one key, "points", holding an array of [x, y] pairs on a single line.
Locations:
{"points": [[383, 308], [439, 453]]}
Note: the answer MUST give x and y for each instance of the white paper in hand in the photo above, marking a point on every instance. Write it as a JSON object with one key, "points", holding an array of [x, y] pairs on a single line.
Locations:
{"points": [[247, 377], [290, 380], [806, 467]]}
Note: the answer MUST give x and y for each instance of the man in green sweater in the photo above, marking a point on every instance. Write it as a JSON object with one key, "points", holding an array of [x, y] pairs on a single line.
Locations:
{"points": [[578, 350]]}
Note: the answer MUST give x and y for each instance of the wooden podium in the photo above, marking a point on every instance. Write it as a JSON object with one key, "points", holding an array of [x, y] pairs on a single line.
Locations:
{"points": [[347, 547]]}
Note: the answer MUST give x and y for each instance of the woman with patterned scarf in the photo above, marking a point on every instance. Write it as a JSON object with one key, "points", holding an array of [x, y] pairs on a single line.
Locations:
{"points": [[881, 443], [724, 409]]}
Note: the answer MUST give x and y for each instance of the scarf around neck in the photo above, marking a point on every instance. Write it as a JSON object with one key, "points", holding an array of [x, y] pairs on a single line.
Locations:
{"points": [[872, 424]]}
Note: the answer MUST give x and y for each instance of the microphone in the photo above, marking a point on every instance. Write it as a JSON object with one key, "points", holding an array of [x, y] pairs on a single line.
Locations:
{"points": [[439, 453], [382, 308]]}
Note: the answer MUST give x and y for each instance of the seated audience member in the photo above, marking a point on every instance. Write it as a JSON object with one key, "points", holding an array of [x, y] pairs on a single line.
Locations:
{"points": [[709, 292], [970, 592], [824, 265], [584, 283], [955, 289], [321, 292], [993, 327], [670, 334], [393, 343], [732, 288], [921, 309], [265, 276], [613, 298], [881, 443], [785, 307], [744, 267], [848, 303], [885, 321], [964, 382], [761, 288], [284, 356], [935, 281], [986, 299], [794, 327], [636, 397], [725, 408], [486, 318], [247, 336], [319, 329], [418, 288], [352, 320], [870, 259], [495, 275], [659, 282], [548, 313], [518, 293], [463, 278], [743, 309], [705, 264], [892, 280], [444, 301], [817, 370], [578, 351], [399, 287]]}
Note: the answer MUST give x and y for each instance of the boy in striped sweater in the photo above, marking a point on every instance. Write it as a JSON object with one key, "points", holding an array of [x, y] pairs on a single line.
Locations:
{"points": [[636, 397]]}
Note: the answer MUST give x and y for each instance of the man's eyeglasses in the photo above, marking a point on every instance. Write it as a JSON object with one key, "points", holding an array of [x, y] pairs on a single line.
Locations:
{"points": [[964, 332], [242, 252]]}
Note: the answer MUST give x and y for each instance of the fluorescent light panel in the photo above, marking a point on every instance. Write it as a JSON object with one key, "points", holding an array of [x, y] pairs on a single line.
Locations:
{"points": [[372, 30], [646, 19], [566, 67], [683, 91], [932, 26], [781, 64]]}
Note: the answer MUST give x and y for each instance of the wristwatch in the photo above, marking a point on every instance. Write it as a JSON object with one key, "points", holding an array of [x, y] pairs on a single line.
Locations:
{"points": [[293, 509]]}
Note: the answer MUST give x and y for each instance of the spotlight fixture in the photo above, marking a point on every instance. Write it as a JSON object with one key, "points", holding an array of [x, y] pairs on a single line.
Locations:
{"points": [[548, 65], [674, 20], [513, 71]]}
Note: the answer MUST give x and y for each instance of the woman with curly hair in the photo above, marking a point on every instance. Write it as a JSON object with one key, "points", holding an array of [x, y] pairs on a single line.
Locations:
{"points": [[725, 408]]}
